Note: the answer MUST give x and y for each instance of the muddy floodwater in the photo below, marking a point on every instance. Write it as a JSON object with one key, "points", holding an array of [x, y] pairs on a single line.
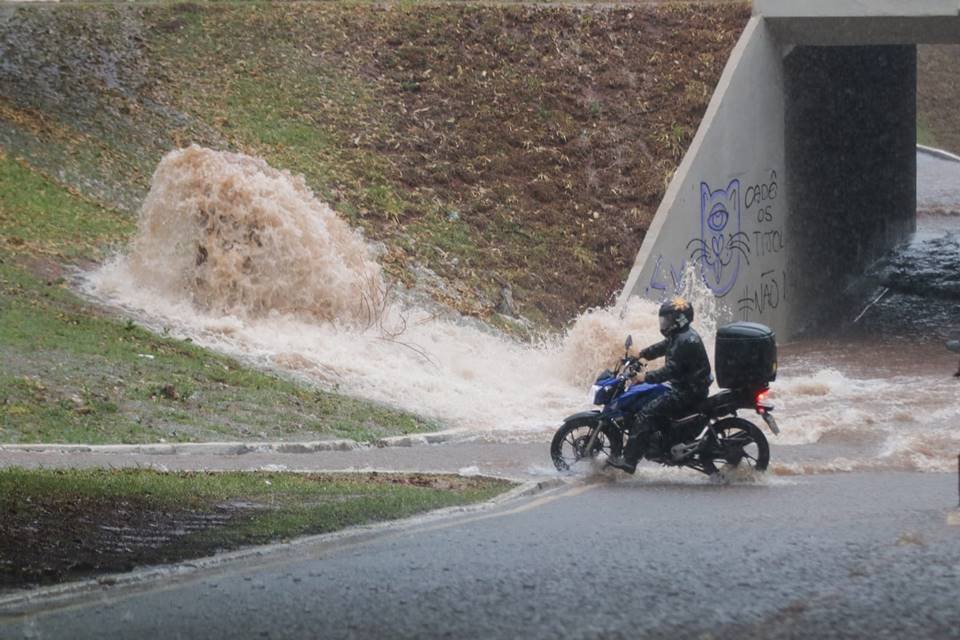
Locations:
{"points": [[877, 395], [881, 395]]}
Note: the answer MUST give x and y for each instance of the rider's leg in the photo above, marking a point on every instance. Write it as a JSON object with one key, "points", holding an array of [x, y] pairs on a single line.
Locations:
{"points": [[656, 416], [631, 452], [646, 427], [628, 461], [680, 406]]}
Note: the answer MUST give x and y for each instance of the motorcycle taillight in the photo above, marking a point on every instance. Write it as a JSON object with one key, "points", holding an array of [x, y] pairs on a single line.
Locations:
{"points": [[761, 402]]}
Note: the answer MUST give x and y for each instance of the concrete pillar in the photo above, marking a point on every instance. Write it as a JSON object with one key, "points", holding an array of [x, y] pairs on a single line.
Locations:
{"points": [[850, 146]]}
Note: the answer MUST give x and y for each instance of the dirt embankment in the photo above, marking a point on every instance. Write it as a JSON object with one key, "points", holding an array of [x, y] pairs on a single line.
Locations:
{"points": [[938, 96], [486, 146]]}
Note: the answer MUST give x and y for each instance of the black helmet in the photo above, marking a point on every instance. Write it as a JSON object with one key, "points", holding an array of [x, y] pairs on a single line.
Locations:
{"points": [[675, 315]]}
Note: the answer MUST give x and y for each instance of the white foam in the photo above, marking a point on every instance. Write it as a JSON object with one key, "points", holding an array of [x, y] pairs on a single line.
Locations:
{"points": [[284, 283], [245, 260]]}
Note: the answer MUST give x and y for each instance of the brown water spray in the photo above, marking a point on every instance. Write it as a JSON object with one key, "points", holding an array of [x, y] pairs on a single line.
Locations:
{"points": [[238, 237]]}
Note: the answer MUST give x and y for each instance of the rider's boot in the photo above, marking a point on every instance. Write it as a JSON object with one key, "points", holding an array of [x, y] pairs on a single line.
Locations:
{"points": [[631, 455], [654, 445]]}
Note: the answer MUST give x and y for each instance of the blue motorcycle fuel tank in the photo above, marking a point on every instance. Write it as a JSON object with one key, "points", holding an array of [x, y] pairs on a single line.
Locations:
{"points": [[604, 388], [636, 396]]}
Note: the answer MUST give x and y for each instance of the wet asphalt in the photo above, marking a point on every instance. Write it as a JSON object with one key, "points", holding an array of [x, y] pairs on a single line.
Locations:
{"points": [[846, 555]]}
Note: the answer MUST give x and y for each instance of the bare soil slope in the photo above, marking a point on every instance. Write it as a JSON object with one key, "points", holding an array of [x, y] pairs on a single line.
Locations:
{"points": [[938, 96], [488, 147]]}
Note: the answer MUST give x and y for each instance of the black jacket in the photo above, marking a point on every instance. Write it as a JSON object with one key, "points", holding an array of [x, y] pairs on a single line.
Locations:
{"points": [[687, 366]]}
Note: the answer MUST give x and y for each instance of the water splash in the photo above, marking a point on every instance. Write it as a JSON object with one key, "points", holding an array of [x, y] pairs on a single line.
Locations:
{"points": [[236, 237], [244, 259], [596, 338]]}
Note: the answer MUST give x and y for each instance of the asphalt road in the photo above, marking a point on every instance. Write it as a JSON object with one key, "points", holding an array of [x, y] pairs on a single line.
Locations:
{"points": [[856, 555]]}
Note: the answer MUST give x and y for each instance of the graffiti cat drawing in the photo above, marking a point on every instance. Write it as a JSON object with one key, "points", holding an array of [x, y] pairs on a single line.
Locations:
{"points": [[721, 244]]}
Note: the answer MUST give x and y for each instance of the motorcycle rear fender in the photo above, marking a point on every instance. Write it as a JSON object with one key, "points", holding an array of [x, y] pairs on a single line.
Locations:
{"points": [[582, 416]]}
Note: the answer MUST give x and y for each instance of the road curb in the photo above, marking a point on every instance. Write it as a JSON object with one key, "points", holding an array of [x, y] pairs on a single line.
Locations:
{"points": [[938, 153], [232, 448], [18, 604]]}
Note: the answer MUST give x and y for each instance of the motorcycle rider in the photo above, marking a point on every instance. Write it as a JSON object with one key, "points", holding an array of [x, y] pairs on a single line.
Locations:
{"points": [[687, 369]]}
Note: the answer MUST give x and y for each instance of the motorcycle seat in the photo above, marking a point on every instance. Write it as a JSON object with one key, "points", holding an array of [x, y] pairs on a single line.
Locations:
{"points": [[716, 404], [725, 398]]}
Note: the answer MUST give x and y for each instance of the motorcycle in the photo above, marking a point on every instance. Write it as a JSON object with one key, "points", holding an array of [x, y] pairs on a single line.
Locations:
{"points": [[713, 434]]}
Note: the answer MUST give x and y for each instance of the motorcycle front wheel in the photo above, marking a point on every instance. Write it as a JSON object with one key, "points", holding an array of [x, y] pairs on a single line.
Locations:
{"points": [[570, 443], [740, 443]]}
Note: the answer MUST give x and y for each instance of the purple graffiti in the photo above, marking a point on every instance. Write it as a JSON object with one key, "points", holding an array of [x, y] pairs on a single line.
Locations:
{"points": [[721, 245], [658, 280]]}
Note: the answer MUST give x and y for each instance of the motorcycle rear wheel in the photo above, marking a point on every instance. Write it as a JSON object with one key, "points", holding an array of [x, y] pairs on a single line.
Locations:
{"points": [[740, 443], [569, 443]]}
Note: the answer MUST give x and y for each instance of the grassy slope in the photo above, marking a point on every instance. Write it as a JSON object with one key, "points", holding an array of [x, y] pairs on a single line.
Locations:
{"points": [[105, 521], [73, 374], [511, 145], [518, 145]]}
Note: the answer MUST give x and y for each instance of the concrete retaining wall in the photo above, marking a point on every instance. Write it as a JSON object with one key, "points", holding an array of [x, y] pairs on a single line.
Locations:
{"points": [[803, 169], [725, 210], [794, 9]]}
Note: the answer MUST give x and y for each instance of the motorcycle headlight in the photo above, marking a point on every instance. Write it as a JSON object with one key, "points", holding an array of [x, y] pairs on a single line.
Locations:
{"points": [[594, 393]]}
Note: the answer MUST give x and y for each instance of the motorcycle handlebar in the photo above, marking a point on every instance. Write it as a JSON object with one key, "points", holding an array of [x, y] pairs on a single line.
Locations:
{"points": [[631, 367]]}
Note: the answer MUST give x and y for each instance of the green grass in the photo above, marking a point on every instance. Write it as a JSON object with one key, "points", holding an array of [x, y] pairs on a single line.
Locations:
{"points": [[298, 503], [294, 112], [42, 217], [73, 373], [74, 515], [924, 133]]}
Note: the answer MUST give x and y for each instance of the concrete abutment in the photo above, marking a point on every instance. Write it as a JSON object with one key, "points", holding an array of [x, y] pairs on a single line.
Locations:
{"points": [[803, 170]]}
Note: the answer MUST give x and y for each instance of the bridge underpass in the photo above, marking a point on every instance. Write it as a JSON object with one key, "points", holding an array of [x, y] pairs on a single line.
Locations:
{"points": [[803, 170]]}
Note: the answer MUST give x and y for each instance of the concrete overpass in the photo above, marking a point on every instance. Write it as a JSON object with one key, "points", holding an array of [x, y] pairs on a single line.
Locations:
{"points": [[803, 170]]}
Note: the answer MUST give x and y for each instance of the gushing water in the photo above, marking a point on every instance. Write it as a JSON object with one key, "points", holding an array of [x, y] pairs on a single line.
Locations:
{"points": [[233, 236], [244, 259]]}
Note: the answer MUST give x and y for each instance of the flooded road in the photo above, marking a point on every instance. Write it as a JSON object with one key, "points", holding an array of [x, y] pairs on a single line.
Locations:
{"points": [[919, 283], [880, 394], [877, 396]]}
